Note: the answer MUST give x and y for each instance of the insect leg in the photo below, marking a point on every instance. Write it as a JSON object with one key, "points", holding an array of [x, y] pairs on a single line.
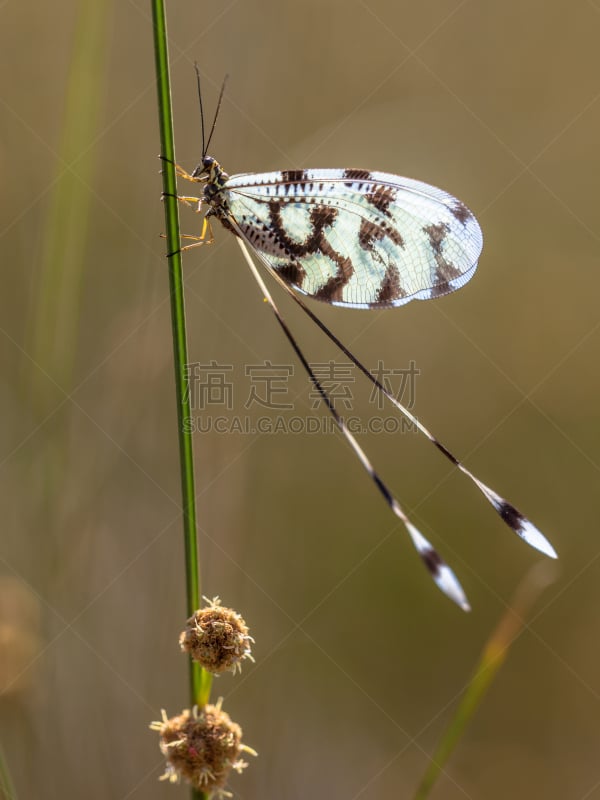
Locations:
{"points": [[181, 172], [206, 237]]}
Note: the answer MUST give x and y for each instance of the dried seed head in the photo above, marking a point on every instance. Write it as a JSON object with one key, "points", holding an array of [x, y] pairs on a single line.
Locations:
{"points": [[202, 747], [217, 638]]}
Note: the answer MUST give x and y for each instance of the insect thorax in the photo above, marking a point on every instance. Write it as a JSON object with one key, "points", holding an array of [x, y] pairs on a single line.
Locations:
{"points": [[215, 179]]}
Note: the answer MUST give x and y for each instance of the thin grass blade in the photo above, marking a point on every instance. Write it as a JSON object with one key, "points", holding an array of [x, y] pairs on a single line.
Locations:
{"points": [[493, 657]]}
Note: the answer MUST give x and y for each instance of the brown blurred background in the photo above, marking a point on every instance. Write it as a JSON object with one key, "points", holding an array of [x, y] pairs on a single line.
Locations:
{"points": [[359, 659]]}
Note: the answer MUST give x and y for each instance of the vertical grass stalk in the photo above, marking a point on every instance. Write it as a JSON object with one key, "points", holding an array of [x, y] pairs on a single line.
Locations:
{"points": [[55, 310], [200, 678], [7, 790], [495, 652]]}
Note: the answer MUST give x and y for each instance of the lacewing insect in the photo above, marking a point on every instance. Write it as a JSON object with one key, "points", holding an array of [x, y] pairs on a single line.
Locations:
{"points": [[355, 239]]}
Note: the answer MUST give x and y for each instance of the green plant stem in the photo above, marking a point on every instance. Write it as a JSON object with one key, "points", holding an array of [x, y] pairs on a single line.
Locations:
{"points": [[493, 657], [56, 306], [200, 679], [53, 326], [7, 790]]}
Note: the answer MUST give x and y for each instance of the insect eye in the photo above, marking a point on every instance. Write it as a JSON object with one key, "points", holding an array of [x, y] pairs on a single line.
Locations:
{"points": [[207, 162]]}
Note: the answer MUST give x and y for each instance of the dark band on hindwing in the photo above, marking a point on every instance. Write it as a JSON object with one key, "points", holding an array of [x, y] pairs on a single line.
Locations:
{"points": [[321, 218], [445, 271]]}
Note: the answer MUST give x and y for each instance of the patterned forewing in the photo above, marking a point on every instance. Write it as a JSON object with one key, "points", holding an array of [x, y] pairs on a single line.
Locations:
{"points": [[356, 238]]}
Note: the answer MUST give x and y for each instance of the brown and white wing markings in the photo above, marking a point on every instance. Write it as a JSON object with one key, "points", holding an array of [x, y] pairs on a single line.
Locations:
{"points": [[356, 238]]}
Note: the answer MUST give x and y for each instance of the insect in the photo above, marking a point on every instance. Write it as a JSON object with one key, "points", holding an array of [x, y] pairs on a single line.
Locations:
{"points": [[356, 239]]}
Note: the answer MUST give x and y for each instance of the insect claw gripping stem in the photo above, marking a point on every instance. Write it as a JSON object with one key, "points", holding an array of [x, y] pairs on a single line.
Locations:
{"points": [[181, 172], [166, 160], [198, 240]]}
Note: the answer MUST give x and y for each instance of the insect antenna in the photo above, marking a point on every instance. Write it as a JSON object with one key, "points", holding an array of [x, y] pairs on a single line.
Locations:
{"points": [[212, 129], [438, 569], [201, 107], [522, 526]]}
